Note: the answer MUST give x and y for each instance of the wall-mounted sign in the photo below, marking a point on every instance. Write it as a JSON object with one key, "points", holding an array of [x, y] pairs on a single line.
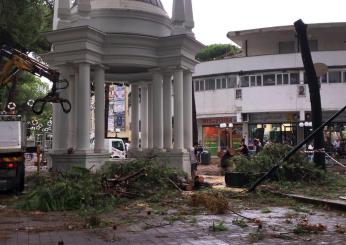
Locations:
{"points": [[217, 120]]}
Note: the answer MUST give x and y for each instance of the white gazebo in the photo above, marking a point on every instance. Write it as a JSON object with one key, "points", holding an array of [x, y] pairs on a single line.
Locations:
{"points": [[124, 40]]}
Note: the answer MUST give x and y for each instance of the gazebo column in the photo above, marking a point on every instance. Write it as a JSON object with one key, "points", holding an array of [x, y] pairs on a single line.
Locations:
{"points": [[157, 108], [83, 108], [150, 115], [144, 116], [178, 110], [134, 116], [167, 111], [99, 109], [60, 118], [187, 109]]}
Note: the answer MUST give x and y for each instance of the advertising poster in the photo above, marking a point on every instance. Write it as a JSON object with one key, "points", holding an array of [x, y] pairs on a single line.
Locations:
{"points": [[117, 108]]}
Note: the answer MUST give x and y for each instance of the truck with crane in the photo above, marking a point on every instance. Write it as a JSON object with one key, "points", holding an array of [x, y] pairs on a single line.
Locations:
{"points": [[13, 126]]}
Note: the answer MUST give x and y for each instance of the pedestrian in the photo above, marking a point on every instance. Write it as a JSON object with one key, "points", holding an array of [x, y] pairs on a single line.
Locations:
{"points": [[258, 146], [244, 150], [226, 157]]}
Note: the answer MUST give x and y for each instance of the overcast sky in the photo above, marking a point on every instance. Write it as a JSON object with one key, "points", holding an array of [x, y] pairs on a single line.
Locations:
{"points": [[214, 18]]}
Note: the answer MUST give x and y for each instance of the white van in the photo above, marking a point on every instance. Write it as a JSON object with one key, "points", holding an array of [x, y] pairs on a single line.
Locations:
{"points": [[117, 148]]}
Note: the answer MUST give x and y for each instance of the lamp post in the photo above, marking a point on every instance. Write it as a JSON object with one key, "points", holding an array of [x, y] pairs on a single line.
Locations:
{"points": [[306, 126]]}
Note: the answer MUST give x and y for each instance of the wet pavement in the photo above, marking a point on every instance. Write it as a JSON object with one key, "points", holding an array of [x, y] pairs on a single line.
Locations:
{"points": [[274, 225]]}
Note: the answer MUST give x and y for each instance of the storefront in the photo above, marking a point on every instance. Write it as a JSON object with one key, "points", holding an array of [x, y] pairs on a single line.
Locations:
{"points": [[220, 133], [283, 133]]}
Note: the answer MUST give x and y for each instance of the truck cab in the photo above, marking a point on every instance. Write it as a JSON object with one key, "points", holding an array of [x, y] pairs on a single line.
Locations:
{"points": [[12, 149]]}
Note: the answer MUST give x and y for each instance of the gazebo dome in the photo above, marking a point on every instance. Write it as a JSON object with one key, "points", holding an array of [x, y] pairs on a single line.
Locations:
{"points": [[145, 17]]}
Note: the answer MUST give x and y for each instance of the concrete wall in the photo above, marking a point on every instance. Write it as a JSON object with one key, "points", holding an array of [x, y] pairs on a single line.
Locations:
{"points": [[266, 99], [267, 62], [265, 43]]}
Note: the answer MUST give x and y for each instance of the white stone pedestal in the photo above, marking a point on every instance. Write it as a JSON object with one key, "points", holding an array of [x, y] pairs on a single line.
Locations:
{"points": [[64, 161], [178, 160]]}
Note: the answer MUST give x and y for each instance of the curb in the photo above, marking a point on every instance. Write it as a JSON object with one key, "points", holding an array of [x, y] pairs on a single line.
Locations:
{"points": [[335, 204]]}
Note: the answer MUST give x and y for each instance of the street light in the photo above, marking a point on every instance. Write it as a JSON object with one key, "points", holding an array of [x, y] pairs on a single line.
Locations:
{"points": [[305, 124]]}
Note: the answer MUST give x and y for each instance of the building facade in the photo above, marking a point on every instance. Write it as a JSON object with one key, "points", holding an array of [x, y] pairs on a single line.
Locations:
{"points": [[263, 93]]}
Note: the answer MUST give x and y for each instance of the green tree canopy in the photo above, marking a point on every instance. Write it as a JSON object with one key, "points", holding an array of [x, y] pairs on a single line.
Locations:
{"points": [[216, 51], [22, 23]]}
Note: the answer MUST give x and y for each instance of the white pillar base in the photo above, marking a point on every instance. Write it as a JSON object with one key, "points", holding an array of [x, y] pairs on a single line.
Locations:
{"points": [[64, 161]]}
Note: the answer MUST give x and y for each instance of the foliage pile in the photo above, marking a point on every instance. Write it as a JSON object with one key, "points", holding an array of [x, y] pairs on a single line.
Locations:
{"points": [[296, 168], [79, 189], [214, 202], [155, 181], [304, 228]]}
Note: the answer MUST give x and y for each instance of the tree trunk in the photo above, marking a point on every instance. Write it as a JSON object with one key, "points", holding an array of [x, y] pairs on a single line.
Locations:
{"points": [[314, 89], [194, 117]]}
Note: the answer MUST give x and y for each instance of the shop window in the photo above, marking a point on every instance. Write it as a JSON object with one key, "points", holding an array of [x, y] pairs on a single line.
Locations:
{"points": [[286, 47], [244, 81], [223, 83], [238, 94], [268, 79], [201, 85], [294, 78], [210, 84], [210, 139], [218, 83], [334, 76], [197, 85], [259, 80], [232, 82]]}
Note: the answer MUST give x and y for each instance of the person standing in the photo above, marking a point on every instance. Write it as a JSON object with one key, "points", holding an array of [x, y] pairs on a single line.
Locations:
{"points": [[257, 145], [244, 150]]}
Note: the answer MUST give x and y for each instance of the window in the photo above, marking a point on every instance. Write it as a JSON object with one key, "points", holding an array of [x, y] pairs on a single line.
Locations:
{"points": [[301, 90], [201, 85], [223, 83], [313, 45], [232, 82], [218, 83], [210, 84], [238, 94], [294, 78], [244, 81], [278, 79], [118, 145], [334, 76], [268, 79], [252, 81], [286, 47], [259, 80], [197, 85], [344, 76], [324, 79]]}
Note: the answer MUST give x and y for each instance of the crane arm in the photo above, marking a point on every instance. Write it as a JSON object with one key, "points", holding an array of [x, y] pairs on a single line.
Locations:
{"points": [[16, 61]]}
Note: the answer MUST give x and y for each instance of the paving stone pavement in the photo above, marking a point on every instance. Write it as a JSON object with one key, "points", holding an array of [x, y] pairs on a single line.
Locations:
{"points": [[23, 230]]}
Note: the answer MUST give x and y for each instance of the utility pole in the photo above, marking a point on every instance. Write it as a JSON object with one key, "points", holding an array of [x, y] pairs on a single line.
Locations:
{"points": [[314, 89]]}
